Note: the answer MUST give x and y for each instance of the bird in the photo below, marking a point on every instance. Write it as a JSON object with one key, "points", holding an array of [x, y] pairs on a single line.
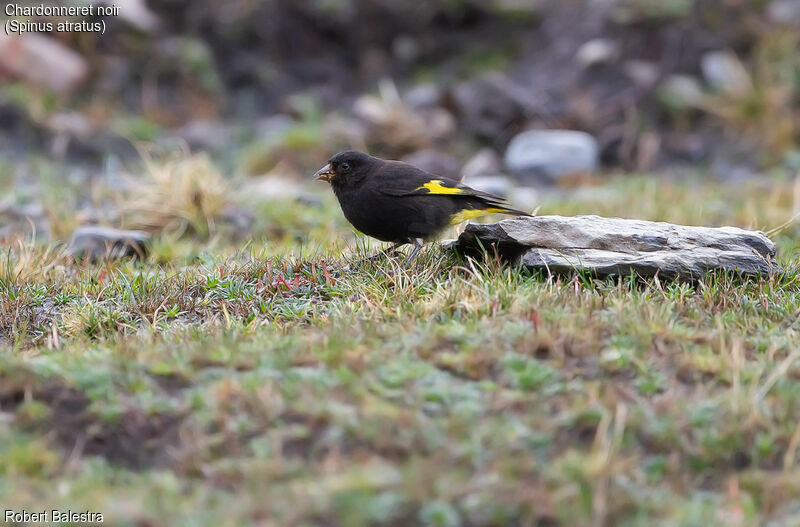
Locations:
{"points": [[396, 202]]}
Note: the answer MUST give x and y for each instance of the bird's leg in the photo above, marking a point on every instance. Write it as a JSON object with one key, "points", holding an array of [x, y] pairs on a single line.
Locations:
{"points": [[393, 248], [418, 243]]}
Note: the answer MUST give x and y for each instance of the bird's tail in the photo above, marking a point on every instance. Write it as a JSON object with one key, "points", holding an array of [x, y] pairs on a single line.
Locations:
{"points": [[508, 210], [484, 210]]}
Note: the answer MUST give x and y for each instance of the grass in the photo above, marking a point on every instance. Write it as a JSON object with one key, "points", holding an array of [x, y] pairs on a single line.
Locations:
{"points": [[282, 382]]}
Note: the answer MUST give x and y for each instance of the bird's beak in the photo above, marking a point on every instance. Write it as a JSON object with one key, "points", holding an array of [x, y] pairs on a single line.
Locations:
{"points": [[325, 173]]}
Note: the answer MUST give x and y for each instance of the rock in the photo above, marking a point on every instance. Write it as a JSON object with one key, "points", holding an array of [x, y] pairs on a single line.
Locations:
{"points": [[681, 91], [784, 11], [436, 163], [485, 163], [597, 51], [545, 156], [616, 246], [641, 72], [725, 73], [405, 48], [94, 242], [42, 61]]}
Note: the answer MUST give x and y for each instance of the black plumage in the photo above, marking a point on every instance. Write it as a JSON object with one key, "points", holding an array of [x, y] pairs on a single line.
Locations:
{"points": [[397, 202]]}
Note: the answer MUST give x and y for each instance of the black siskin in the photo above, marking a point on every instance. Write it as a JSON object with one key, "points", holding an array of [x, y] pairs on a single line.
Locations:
{"points": [[397, 202]]}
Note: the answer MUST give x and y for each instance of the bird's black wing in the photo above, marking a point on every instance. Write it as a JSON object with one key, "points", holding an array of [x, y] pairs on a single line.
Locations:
{"points": [[402, 179]]}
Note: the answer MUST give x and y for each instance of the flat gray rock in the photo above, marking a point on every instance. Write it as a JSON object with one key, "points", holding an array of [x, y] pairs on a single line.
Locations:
{"points": [[616, 246], [94, 242]]}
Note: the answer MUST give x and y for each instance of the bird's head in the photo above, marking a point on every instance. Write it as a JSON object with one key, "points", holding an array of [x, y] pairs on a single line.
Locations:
{"points": [[347, 166]]}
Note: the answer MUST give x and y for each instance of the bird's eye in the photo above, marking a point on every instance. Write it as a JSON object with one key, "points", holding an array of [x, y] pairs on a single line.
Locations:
{"points": [[344, 167]]}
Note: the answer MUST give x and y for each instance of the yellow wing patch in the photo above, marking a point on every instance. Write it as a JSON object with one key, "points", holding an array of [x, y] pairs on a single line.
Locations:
{"points": [[468, 214], [435, 186]]}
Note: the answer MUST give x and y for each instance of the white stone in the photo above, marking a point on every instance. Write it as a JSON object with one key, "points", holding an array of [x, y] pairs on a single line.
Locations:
{"points": [[597, 51], [725, 72]]}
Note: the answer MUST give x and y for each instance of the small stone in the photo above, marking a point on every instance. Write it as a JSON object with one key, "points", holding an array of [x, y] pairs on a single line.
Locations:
{"points": [[42, 61], [94, 242], [724, 72], [405, 48], [642, 72], [545, 156], [681, 91], [784, 11], [597, 51], [436, 163]]}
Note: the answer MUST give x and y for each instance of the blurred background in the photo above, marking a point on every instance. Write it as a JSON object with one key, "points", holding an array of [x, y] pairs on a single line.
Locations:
{"points": [[249, 370], [154, 123]]}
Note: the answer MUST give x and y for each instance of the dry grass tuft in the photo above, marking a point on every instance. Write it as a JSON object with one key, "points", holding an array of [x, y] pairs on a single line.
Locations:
{"points": [[178, 194], [25, 261]]}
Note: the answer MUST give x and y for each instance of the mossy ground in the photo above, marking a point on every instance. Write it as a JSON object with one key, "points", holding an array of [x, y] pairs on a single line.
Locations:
{"points": [[281, 381]]}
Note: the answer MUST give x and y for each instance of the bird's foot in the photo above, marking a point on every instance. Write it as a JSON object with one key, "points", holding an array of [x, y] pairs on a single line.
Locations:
{"points": [[418, 243]]}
